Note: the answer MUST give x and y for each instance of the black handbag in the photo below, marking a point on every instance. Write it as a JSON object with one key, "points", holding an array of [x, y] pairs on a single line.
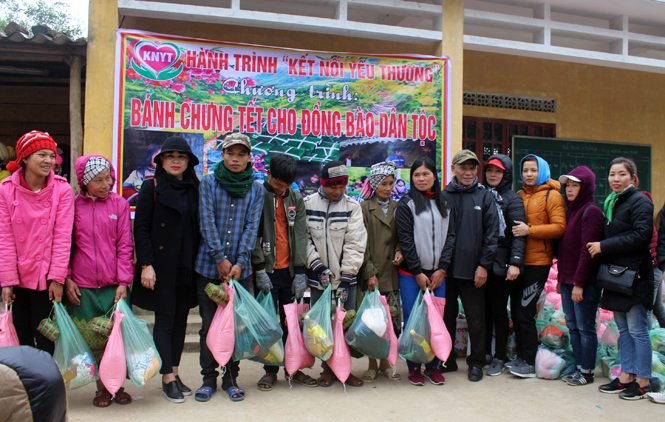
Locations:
{"points": [[616, 278], [500, 263]]}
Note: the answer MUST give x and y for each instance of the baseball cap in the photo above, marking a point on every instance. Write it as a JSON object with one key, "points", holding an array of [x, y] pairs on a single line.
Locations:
{"points": [[465, 155], [564, 179], [495, 162], [236, 139]]}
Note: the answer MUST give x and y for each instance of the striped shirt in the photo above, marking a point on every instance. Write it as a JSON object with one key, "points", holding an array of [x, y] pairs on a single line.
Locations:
{"points": [[228, 227]]}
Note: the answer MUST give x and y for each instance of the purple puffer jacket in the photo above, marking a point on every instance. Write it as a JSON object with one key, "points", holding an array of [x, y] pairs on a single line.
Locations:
{"points": [[103, 250]]}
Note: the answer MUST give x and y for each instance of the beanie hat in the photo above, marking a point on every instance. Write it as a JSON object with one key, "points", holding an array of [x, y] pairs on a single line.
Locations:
{"points": [[30, 143], [334, 173]]}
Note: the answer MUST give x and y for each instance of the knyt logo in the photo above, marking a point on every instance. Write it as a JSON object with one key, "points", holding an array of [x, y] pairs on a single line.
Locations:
{"points": [[156, 61]]}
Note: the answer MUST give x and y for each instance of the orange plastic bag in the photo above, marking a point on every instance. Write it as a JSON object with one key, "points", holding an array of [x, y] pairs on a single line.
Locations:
{"points": [[392, 355], [442, 343], [8, 336], [296, 356], [340, 361], [221, 334], [113, 368]]}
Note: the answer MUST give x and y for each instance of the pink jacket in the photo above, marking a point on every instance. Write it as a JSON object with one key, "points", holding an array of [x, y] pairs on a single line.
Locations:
{"points": [[35, 232], [103, 250]]}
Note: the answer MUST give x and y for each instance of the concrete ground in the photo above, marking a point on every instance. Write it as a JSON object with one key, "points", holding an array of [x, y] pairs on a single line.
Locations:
{"points": [[502, 398]]}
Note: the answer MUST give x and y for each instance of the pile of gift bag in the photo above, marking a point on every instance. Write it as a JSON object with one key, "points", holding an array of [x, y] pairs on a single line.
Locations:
{"points": [[555, 356], [247, 328]]}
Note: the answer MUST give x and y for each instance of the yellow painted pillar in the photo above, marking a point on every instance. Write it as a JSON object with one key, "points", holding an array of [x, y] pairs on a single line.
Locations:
{"points": [[100, 70], [452, 44]]}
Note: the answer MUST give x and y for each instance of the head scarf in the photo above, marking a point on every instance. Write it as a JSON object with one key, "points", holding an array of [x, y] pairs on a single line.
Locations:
{"points": [[380, 171], [93, 167]]}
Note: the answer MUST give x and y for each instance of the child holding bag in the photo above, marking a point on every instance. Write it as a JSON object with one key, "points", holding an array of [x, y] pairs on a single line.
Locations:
{"points": [[100, 267], [36, 216]]}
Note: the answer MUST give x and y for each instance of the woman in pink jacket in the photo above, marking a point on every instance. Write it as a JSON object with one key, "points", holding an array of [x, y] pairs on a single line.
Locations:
{"points": [[101, 265], [36, 216]]}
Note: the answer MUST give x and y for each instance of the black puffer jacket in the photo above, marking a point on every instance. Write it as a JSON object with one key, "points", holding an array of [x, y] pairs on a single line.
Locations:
{"points": [[626, 243], [31, 387], [477, 226], [512, 207]]}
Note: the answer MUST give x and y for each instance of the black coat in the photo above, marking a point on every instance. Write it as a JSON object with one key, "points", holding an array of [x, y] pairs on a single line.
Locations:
{"points": [[660, 249], [158, 230], [477, 229], [626, 243], [512, 207]]}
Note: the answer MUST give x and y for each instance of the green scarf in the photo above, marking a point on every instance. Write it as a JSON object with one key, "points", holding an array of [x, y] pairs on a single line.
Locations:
{"points": [[611, 201], [236, 184]]}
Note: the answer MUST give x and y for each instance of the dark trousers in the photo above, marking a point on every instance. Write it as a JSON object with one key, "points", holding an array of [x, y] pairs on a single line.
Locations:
{"points": [[524, 294], [496, 315], [473, 301], [29, 308], [207, 309], [281, 294], [170, 330]]}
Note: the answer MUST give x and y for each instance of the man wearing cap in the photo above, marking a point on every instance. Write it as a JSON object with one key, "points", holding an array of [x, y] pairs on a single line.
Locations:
{"points": [[230, 204], [335, 246], [477, 222]]}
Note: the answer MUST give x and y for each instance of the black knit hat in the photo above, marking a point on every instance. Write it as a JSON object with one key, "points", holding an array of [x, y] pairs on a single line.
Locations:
{"points": [[334, 173], [178, 144]]}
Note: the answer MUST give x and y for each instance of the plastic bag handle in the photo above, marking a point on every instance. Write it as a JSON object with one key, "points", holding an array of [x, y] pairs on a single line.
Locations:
{"points": [[10, 308]]}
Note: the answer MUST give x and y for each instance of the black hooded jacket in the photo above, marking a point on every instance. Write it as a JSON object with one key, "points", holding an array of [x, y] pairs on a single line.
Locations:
{"points": [[512, 207], [477, 228]]}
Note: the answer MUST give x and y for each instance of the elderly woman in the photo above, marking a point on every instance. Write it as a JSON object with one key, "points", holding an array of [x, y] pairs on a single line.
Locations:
{"points": [[101, 264], [379, 270]]}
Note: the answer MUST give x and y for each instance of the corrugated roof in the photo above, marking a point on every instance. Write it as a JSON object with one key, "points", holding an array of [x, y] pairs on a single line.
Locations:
{"points": [[42, 35]]}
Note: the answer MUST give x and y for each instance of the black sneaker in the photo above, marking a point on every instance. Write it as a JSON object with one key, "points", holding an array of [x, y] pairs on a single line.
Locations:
{"points": [[475, 374], [579, 378], [615, 387], [570, 376], [634, 392], [451, 366], [172, 392], [186, 391]]}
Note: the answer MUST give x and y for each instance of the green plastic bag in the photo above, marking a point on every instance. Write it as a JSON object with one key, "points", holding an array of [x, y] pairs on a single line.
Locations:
{"points": [[552, 334], [658, 340], [369, 332], [143, 361], [552, 364], [275, 354], [317, 327], [72, 354], [255, 330], [414, 343]]}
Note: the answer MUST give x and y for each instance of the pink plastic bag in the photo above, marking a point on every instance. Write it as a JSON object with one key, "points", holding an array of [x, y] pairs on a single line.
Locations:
{"points": [[296, 356], [392, 356], [113, 368], [8, 336], [442, 343], [340, 361], [221, 334]]}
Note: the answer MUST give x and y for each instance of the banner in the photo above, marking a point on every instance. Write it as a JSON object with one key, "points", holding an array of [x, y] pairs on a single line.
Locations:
{"points": [[313, 106]]}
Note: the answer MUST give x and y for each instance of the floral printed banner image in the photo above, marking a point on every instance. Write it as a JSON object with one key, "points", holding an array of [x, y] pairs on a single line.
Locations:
{"points": [[313, 106]]}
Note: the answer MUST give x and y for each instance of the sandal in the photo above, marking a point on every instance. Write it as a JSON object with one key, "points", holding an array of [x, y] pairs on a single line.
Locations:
{"points": [[327, 378], [267, 382], [122, 397], [203, 394], [354, 381], [388, 372], [102, 398], [369, 375], [304, 379], [235, 393]]}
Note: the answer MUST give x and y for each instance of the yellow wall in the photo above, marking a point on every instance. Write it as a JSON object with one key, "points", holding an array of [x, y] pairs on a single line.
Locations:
{"points": [[593, 103]]}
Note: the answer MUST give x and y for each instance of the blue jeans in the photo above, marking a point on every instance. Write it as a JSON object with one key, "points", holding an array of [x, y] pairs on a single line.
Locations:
{"points": [[409, 291], [581, 322], [634, 341]]}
